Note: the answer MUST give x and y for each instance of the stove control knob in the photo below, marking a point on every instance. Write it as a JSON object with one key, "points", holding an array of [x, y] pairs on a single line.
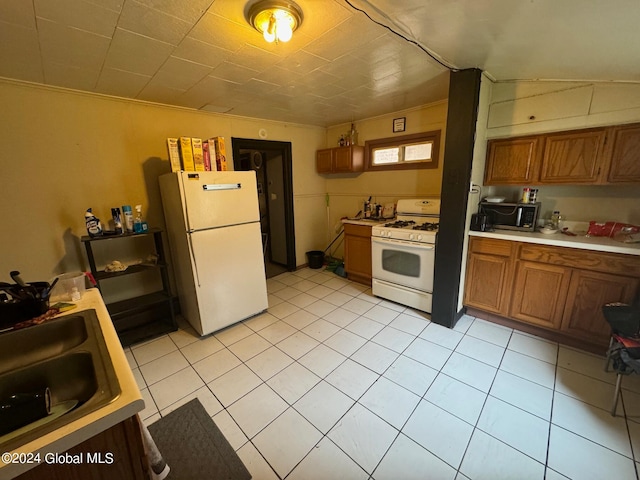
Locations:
{"points": [[389, 234], [411, 236], [419, 237]]}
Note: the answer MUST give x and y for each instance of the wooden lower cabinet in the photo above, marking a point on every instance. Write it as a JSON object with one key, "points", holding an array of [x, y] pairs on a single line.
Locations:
{"points": [[120, 448], [357, 253], [539, 293], [588, 291], [486, 274], [558, 291]]}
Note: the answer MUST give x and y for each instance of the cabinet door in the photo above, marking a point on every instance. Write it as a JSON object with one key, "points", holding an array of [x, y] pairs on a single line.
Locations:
{"points": [[588, 292], [625, 160], [485, 281], [123, 441], [342, 157], [357, 253], [512, 161], [324, 160], [540, 293], [573, 157]]}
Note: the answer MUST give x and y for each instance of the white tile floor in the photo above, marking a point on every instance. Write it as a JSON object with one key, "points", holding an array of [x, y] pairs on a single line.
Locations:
{"points": [[334, 383]]}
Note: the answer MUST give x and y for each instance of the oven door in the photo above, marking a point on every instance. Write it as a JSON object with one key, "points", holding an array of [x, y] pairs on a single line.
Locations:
{"points": [[403, 263]]}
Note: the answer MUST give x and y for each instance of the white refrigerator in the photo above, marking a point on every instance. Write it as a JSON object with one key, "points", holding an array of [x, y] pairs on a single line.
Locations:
{"points": [[213, 226]]}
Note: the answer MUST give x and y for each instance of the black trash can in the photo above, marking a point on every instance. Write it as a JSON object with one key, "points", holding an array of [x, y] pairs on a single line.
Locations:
{"points": [[315, 258]]}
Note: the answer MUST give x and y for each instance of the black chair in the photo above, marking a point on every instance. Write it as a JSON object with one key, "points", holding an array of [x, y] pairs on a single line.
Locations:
{"points": [[624, 346]]}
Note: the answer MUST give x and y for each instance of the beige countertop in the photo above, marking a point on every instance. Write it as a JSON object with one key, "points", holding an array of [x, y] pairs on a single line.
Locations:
{"points": [[368, 222], [599, 244], [128, 403]]}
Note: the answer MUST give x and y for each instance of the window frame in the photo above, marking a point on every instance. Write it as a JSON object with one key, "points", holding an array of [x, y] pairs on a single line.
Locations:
{"points": [[400, 141]]}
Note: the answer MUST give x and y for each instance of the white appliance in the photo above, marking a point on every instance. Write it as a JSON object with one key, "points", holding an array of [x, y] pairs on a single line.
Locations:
{"points": [[213, 225], [403, 254]]}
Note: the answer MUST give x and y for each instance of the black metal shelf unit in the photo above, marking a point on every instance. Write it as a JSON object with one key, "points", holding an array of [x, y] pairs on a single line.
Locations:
{"points": [[146, 316]]}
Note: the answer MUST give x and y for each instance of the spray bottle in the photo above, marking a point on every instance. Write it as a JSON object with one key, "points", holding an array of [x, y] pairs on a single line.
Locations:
{"points": [[94, 227], [139, 225]]}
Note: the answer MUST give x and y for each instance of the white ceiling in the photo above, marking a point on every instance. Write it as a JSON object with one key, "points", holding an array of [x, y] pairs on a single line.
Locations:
{"points": [[340, 65]]}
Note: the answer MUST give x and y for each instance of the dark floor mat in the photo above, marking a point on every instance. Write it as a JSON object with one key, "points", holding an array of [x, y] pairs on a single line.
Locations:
{"points": [[194, 448]]}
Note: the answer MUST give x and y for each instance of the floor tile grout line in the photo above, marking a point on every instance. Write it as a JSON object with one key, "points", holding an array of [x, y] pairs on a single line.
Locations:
{"points": [[553, 397], [475, 427], [551, 422], [633, 452]]}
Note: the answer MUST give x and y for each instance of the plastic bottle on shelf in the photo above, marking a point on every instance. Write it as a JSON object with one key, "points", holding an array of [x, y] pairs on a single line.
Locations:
{"points": [[117, 220], [94, 227], [128, 218], [139, 225], [353, 135], [367, 208]]}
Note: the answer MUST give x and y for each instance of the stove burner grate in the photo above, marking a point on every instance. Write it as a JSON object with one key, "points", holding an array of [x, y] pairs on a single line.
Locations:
{"points": [[400, 224], [430, 227]]}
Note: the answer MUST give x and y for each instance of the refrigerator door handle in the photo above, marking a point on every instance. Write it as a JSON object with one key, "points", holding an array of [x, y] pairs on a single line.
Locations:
{"points": [[221, 186], [193, 259]]}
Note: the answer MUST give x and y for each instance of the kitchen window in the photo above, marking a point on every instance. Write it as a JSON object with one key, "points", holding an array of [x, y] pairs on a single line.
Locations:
{"points": [[419, 150]]}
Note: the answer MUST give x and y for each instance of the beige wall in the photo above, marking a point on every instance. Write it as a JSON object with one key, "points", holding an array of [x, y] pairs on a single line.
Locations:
{"points": [[65, 151], [347, 192]]}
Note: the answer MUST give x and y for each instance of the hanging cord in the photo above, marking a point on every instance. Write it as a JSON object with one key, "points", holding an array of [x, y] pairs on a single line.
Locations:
{"points": [[425, 50]]}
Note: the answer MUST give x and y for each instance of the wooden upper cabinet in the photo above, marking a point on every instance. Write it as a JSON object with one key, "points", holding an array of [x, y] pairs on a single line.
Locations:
{"points": [[573, 157], [588, 157], [513, 161], [324, 160], [340, 159], [625, 157]]}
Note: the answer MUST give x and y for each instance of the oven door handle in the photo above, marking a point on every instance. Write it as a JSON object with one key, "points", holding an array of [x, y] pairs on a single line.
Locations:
{"points": [[389, 241]]}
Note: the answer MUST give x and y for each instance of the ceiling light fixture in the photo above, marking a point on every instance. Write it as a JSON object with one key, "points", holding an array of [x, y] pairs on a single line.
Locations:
{"points": [[276, 20]]}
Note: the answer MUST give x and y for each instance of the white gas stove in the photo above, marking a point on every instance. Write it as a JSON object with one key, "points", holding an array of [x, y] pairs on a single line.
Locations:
{"points": [[403, 254], [417, 221]]}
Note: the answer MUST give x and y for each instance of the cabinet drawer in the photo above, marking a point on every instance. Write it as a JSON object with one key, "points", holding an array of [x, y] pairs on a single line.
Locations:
{"points": [[491, 246], [357, 230], [628, 265]]}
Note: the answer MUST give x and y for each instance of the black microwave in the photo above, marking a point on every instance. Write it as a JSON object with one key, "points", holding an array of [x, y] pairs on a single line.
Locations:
{"points": [[511, 216]]}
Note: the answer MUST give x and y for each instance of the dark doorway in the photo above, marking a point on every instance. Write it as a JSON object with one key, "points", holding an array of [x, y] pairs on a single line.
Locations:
{"points": [[272, 163]]}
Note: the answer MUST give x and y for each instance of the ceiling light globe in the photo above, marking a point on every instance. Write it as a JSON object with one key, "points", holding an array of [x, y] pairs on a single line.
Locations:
{"points": [[284, 32], [275, 19], [269, 37]]}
